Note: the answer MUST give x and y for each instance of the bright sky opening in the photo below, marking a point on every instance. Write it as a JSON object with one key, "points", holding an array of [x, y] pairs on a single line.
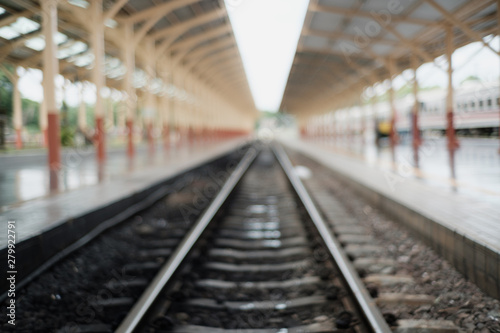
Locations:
{"points": [[267, 32]]}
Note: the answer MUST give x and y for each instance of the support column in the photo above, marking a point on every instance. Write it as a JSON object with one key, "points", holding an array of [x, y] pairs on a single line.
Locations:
{"points": [[43, 122], [375, 123], [175, 108], [362, 121], [110, 112], [50, 72], [171, 107], [121, 116], [393, 135], [82, 112], [18, 112], [191, 111], [450, 129], [97, 42], [130, 98], [415, 129], [149, 98], [498, 36], [165, 122]]}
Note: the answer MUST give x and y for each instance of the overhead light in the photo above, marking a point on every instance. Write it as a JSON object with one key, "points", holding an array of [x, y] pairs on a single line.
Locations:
{"points": [[60, 38], [79, 3], [24, 25], [75, 47], [110, 23], [8, 33], [36, 43], [83, 60]]}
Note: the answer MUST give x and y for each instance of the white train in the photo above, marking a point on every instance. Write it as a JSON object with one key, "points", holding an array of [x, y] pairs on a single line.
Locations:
{"points": [[476, 112]]}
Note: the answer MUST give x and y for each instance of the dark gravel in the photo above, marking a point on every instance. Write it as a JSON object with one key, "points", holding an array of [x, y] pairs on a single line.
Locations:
{"points": [[69, 294], [457, 299]]}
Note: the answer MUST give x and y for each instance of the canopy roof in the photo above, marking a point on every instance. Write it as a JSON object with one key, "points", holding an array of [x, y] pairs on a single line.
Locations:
{"points": [[190, 36], [348, 45]]}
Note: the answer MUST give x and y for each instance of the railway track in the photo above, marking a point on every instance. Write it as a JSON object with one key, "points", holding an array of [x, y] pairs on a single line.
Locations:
{"points": [[90, 286], [260, 259], [250, 254]]}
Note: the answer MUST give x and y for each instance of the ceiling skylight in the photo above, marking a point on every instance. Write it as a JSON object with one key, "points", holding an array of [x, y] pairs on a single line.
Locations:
{"points": [[38, 43], [82, 60], [267, 32], [8, 33], [79, 3], [35, 43], [73, 48], [24, 25]]}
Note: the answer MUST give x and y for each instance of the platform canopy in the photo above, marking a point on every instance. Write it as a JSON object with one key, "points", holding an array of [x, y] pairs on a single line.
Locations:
{"points": [[189, 36], [348, 45]]}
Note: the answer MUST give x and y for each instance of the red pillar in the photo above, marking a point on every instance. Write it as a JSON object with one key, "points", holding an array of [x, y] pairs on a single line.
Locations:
{"points": [[99, 139], [45, 133], [450, 128], [415, 129], [130, 136], [393, 135], [416, 140], [50, 71], [166, 137], [54, 150], [450, 131], [151, 141], [19, 139]]}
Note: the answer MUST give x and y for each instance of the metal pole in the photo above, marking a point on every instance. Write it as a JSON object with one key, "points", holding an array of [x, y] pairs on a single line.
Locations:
{"points": [[50, 72]]}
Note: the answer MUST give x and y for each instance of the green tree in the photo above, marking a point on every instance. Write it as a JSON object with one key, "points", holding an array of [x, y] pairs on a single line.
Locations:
{"points": [[6, 89]]}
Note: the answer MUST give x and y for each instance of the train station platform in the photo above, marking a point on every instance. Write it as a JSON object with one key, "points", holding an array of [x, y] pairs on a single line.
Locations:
{"points": [[464, 229], [24, 175], [52, 222]]}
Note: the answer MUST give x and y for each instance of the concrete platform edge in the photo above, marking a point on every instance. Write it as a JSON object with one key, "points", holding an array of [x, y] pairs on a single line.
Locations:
{"points": [[477, 262], [32, 252]]}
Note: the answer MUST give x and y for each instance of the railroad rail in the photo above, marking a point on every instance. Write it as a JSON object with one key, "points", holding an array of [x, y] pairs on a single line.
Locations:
{"points": [[260, 259]]}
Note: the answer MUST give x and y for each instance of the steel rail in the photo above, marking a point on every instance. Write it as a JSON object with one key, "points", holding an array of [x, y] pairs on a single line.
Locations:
{"points": [[366, 303], [134, 317]]}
